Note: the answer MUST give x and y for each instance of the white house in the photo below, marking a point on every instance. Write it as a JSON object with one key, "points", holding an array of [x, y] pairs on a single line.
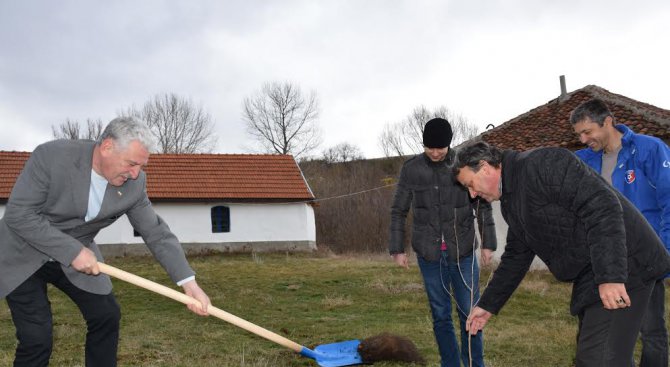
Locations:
{"points": [[212, 202]]}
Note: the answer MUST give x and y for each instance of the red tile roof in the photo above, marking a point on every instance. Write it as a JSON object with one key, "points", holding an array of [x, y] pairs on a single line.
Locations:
{"points": [[187, 177], [549, 125], [225, 176], [11, 164]]}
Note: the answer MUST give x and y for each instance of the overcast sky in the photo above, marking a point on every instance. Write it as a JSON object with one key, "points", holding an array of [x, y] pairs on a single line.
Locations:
{"points": [[369, 62]]}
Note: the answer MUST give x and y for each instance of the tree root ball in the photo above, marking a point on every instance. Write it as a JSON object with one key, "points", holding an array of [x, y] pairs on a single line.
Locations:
{"points": [[389, 347]]}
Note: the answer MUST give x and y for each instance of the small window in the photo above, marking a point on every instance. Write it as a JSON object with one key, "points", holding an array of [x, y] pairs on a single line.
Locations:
{"points": [[220, 219]]}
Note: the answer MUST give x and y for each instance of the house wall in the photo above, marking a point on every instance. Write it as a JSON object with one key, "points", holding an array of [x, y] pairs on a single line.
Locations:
{"points": [[253, 227]]}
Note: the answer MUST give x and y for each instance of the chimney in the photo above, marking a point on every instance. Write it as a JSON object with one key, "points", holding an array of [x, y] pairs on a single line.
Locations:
{"points": [[563, 89]]}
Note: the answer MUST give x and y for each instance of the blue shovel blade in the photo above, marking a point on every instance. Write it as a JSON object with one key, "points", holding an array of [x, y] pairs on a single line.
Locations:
{"points": [[335, 354]]}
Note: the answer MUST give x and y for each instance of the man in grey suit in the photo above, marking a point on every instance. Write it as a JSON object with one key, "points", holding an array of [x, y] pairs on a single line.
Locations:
{"points": [[67, 192]]}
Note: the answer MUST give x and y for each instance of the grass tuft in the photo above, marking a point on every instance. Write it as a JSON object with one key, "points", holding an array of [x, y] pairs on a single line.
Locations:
{"points": [[331, 302]]}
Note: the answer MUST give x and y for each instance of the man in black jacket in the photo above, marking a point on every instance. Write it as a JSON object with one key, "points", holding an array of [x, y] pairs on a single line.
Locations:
{"points": [[585, 232], [443, 237]]}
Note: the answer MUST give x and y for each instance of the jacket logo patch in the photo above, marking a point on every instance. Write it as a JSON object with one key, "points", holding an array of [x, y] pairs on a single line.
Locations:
{"points": [[666, 164], [630, 176]]}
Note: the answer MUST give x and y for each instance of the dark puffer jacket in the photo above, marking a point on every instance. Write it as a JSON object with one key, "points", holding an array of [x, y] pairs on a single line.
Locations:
{"points": [[585, 231], [439, 206]]}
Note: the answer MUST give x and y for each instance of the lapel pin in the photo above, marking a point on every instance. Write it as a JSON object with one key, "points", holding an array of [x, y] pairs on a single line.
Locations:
{"points": [[120, 193]]}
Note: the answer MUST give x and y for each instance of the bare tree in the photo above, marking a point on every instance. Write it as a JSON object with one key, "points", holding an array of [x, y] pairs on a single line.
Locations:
{"points": [[282, 120], [71, 129], [391, 140], [463, 129], [178, 125], [343, 152], [406, 136], [93, 129]]}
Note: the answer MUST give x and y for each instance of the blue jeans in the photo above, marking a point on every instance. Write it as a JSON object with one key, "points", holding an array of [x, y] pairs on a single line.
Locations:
{"points": [[440, 279]]}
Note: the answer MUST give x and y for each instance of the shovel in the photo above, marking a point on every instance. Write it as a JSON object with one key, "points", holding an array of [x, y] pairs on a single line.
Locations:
{"points": [[327, 355]]}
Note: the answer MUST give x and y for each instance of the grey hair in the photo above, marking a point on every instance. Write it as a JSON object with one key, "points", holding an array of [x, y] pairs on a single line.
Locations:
{"points": [[594, 109], [123, 130], [473, 154]]}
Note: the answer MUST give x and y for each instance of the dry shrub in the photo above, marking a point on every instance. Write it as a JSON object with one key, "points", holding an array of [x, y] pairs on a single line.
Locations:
{"points": [[354, 219]]}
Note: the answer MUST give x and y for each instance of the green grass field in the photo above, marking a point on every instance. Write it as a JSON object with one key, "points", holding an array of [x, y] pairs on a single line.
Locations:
{"points": [[309, 299]]}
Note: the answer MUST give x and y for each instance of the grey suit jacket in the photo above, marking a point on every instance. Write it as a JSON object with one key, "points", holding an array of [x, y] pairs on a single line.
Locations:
{"points": [[44, 219]]}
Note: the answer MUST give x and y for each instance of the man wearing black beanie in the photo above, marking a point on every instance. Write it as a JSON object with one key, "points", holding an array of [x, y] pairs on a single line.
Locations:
{"points": [[437, 134], [444, 240]]}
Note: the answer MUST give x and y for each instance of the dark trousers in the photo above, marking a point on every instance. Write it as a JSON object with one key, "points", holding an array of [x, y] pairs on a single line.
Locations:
{"points": [[607, 337], [31, 313], [654, 334]]}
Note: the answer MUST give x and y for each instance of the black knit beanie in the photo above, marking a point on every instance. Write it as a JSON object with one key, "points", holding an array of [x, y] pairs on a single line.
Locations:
{"points": [[437, 133]]}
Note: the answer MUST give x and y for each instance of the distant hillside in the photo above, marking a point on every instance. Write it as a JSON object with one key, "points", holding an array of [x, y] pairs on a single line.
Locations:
{"points": [[353, 213]]}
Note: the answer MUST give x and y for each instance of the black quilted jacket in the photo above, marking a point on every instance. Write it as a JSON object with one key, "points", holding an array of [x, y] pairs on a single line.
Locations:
{"points": [[439, 206], [585, 231]]}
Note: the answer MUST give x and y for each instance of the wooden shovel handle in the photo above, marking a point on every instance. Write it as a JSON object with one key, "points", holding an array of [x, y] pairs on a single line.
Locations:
{"points": [[185, 299]]}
